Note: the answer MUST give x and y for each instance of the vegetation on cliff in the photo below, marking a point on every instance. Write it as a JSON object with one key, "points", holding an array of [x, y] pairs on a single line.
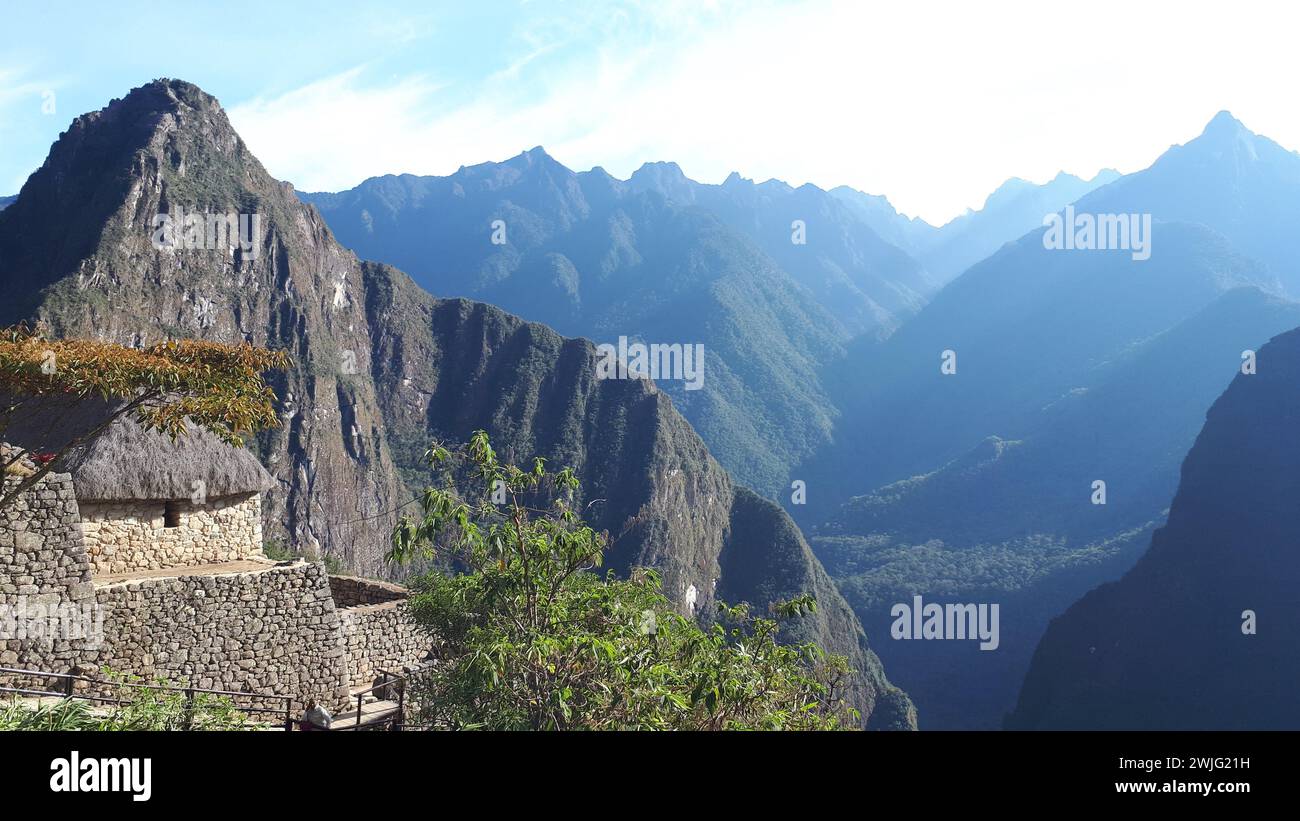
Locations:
{"points": [[535, 639]]}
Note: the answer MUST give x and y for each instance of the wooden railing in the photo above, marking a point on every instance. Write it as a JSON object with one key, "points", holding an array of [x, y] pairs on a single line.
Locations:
{"points": [[68, 690], [392, 722]]}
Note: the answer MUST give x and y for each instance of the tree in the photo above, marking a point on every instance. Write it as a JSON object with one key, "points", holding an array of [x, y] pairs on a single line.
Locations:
{"points": [[164, 387], [532, 637]]}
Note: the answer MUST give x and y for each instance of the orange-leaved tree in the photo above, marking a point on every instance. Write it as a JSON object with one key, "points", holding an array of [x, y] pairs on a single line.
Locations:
{"points": [[164, 387]]}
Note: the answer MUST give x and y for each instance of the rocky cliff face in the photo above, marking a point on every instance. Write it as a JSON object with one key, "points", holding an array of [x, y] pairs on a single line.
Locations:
{"points": [[381, 367], [1200, 633]]}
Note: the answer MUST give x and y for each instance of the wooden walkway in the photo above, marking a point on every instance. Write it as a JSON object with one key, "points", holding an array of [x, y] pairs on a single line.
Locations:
{"points": [[374, 715]]}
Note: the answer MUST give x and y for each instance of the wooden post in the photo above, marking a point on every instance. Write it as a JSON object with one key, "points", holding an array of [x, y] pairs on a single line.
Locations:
{"points": [[401, 701], [189, 707]]}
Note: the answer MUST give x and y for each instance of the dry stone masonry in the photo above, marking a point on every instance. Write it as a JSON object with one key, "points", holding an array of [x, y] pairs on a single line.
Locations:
{"points": [[42, 563], [124, 537], [378, 631], [274, 630], [255, 626]]}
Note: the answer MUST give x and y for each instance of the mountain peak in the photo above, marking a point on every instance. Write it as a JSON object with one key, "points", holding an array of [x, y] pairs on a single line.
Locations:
{"points": [[734, 179], [1224, 123], [533, 161], [665, 177], [1225, 135], [1225, 130], [659, 171], [162, 94], [1065, 176], [536, 156]]}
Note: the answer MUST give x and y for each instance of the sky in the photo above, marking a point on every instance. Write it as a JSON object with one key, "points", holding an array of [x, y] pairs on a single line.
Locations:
{"points": [[933, 104]]}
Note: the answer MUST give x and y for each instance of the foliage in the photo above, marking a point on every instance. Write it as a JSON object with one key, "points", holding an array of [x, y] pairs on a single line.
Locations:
{"points": [[159, 707], [533, 638], [164, 387], [276, 550]]}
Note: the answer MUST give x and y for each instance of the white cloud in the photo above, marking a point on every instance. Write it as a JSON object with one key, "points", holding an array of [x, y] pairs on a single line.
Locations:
{"points": [[933, 104]]}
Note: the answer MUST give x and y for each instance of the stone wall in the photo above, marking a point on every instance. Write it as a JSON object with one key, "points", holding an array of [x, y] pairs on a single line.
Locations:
{"points": [[381, 637], [271, 631], [124, 537], [43, 565], [378, 630], [350, 591]]}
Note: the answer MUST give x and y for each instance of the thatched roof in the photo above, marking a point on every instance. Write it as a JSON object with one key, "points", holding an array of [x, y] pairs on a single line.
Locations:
{"points": [[127, 463]]}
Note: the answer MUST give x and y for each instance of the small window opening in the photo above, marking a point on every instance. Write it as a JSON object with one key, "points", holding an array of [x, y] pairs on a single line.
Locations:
{"points": [[172, 515]]}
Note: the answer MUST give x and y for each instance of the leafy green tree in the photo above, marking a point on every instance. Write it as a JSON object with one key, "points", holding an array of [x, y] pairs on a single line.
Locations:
{"points": [[533, 637]]}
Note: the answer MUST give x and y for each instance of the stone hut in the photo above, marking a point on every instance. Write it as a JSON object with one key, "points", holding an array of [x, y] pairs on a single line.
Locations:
{"points": [[150, 503]]}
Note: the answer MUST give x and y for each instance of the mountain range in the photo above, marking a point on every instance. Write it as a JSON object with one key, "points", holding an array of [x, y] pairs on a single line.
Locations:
{"points": [[966, 413], [1071, 368], [1015, 208], [661, 259], [381, 367]]}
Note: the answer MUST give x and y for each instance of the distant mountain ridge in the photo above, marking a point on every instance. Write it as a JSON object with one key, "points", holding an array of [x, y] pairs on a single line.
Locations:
{"points": [[912, 234], [4, 201], [663, 259], [1015, 208], [594, 256], [381, 368], [1241, 184], [864, 281]]}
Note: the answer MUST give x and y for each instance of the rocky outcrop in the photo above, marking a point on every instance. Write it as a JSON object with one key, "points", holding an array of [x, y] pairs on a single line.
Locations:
{"points": [[448, 367], [766, 559]]}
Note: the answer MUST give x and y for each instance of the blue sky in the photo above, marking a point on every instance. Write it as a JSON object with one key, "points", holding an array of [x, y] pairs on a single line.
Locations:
{"points": [[932, 103]]}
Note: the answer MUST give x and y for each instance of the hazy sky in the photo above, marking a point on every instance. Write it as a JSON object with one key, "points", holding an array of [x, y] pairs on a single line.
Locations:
{"points": [[933, 104]]}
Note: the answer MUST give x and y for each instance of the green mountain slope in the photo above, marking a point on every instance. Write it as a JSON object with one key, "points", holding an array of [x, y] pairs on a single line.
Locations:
{"points": [[658, 258]]}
